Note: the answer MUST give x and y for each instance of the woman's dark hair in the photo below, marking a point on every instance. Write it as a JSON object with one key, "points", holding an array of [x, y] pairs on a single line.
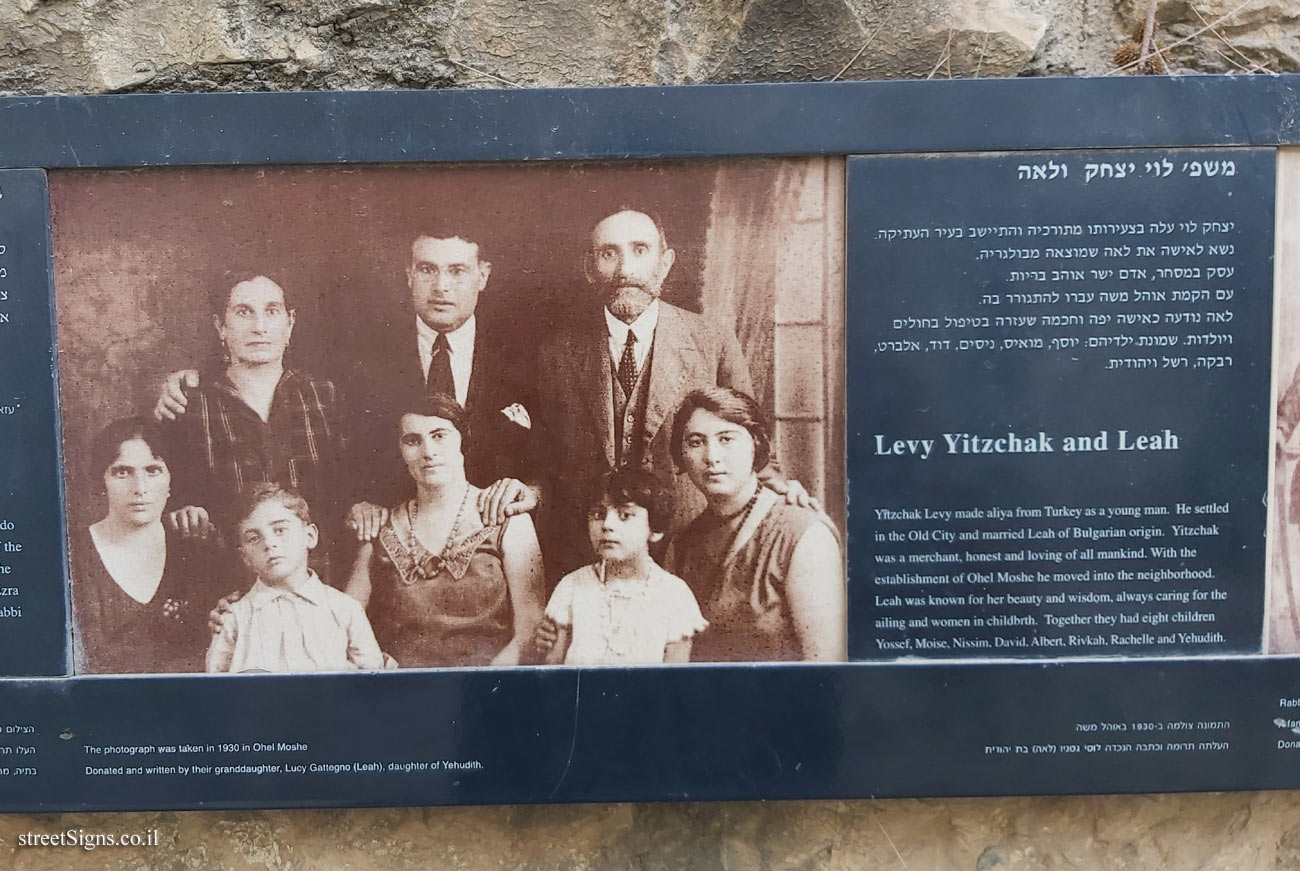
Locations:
{"points": [[630, 485], [730, 405], [438, 405], [219, 298], [108, 444]]}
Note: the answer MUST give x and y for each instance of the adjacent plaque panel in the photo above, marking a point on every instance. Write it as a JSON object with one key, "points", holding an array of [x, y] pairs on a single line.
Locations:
{"points": [[33, 616], [1063, 363]]}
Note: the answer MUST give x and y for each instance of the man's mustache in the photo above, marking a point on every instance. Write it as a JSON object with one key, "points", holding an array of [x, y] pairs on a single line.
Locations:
{"points": [[620, 281]]}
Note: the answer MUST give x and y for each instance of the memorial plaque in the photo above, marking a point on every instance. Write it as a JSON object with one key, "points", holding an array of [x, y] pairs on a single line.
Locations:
{"points": [[1040, 378]]}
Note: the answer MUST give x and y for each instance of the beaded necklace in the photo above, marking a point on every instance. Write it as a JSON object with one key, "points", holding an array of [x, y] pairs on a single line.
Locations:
{"points": [[411, 541], [743, 514]]}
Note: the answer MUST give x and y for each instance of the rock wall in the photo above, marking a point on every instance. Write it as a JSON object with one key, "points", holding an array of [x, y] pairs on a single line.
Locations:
{"points": [[96, 46], [93, 46]]}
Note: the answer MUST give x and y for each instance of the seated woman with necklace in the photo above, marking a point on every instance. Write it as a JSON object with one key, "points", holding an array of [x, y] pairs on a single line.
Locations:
{"points": [[769, 576], [440, 588], [133, 581]]}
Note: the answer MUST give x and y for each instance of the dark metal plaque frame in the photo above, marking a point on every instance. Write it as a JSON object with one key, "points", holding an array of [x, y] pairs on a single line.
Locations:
{"points": [[538, 735]]}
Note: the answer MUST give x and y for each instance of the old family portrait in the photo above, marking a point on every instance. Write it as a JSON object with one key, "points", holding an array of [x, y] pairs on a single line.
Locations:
{"points": [[423, 417]]}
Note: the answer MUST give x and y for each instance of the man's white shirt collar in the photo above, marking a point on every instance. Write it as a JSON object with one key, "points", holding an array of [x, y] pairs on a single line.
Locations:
{"points": [[461, 341], [643, 328]]}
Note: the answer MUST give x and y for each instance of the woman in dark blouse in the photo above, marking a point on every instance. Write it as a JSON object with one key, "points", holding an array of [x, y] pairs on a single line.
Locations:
{"points": [[254, 420], [136, 603]]}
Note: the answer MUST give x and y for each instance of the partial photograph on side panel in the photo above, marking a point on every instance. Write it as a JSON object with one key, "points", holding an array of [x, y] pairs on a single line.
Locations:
{"points": [[1282, 623], [331, 419]]}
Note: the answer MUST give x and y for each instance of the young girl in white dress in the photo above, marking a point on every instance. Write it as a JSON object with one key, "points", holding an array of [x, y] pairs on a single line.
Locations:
{"points": [[624, 609]]}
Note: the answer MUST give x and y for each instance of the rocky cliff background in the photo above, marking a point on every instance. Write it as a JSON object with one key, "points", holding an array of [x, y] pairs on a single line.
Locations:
{"points": [[96, 46], [116, 46]]}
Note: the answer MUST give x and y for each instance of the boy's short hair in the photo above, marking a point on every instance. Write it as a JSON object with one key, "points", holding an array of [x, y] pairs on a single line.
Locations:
{"points": [[267, 491], [635, 486]]}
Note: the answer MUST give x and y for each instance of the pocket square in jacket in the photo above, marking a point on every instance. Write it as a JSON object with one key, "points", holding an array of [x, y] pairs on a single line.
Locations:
{"points": [[518, 414]]}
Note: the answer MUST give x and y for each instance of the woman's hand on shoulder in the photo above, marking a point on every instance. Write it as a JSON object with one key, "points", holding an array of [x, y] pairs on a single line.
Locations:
{"points": [[545, 636], [794, 493], [191, 522], [171, 395], [223, 612], [366, 519], [505, 498]]}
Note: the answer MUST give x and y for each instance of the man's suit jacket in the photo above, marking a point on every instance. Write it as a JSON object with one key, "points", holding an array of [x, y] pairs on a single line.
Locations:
{"points": [[388, 379], [574, 417]]}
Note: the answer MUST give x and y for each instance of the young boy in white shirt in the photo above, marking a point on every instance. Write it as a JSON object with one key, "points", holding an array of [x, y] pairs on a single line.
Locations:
{"points": [[289, 621]]}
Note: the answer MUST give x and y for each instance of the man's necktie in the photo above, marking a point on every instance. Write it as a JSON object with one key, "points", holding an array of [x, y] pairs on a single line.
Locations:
{"points": [[438, 379], [627, 365]]}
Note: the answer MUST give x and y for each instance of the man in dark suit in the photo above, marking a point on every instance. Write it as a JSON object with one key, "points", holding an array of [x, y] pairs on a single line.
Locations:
{"points": [[444, 348], [608, 385]]}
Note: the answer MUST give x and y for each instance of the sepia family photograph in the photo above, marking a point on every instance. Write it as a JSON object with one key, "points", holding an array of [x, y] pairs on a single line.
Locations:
{"points": [[361, 418]]}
